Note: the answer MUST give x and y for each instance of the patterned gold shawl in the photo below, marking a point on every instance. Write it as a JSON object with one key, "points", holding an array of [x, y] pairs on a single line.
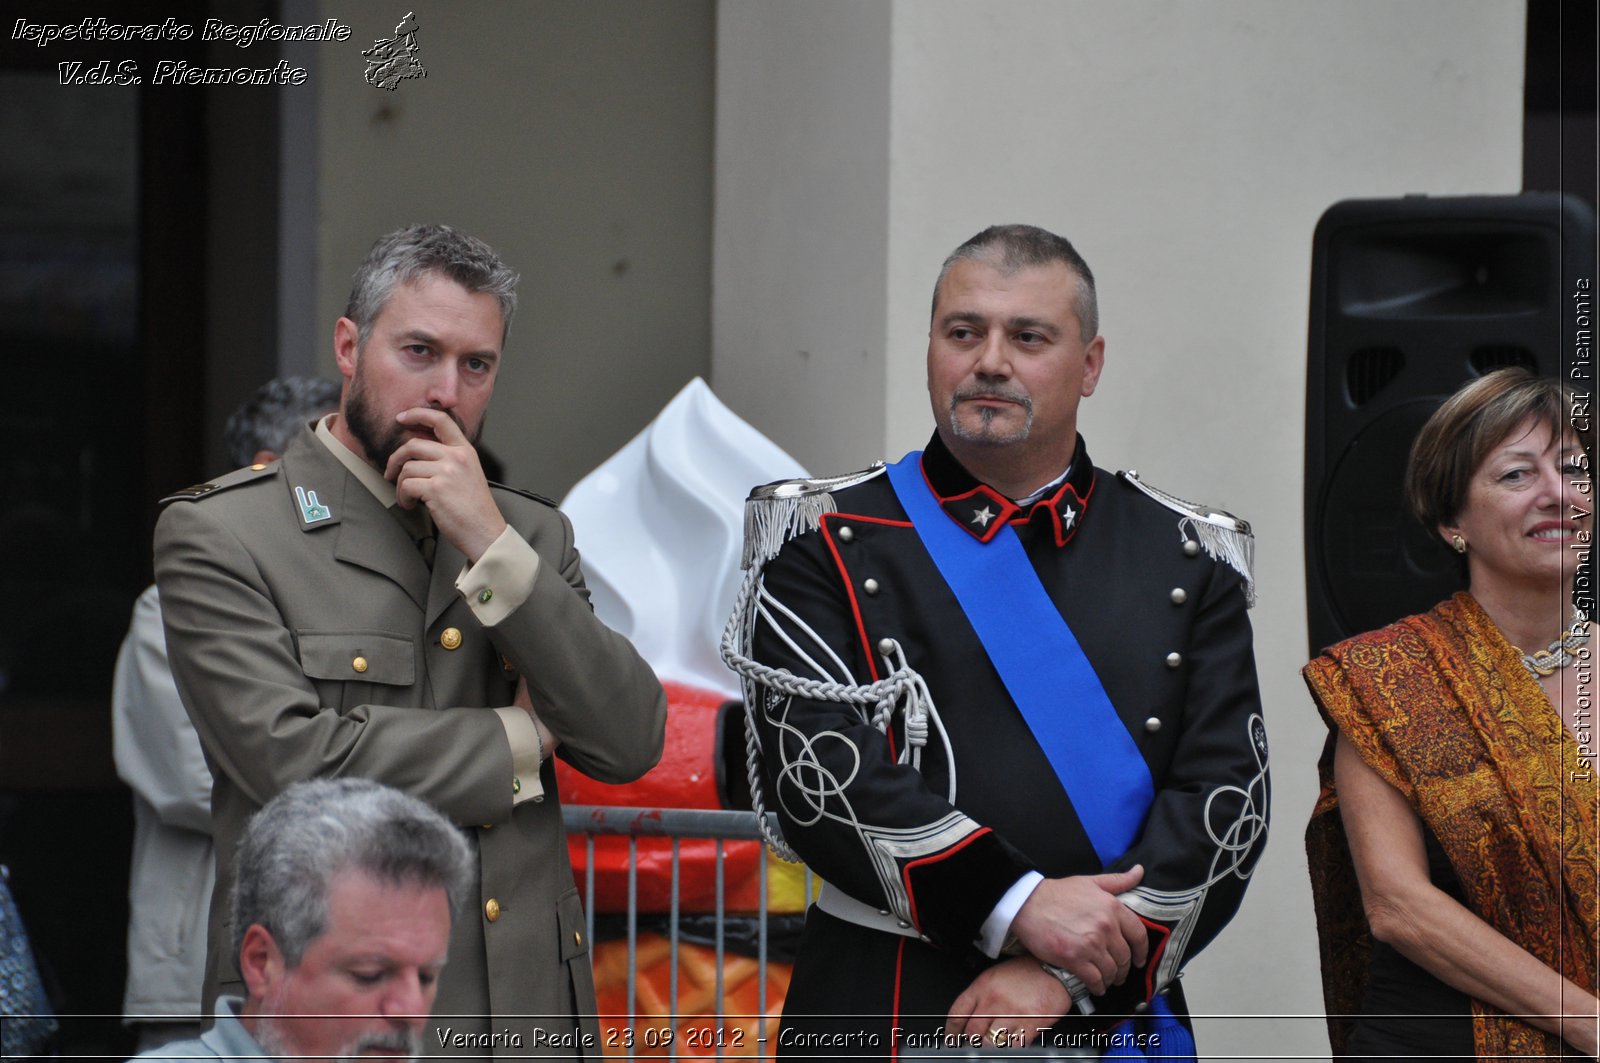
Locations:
{"points": [[1441, 707]]}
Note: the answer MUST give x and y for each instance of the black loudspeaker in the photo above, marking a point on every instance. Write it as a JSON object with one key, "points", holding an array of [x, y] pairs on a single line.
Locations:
{"points": [[1411, 298]]}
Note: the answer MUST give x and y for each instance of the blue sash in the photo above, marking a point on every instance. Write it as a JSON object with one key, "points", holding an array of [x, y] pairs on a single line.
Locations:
{"points": [[1166, 1038], [1041, 664]]}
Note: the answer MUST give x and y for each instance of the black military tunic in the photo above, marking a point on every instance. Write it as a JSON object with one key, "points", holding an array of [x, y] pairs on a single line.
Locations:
{"points": [[1164, 626]]}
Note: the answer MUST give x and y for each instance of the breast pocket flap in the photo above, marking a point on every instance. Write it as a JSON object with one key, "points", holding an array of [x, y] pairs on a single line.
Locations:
{"points": [[359, 657]]}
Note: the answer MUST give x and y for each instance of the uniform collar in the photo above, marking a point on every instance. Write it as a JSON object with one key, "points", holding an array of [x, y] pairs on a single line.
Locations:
{"points": [[416, 521], [365, 474], [983, 511]]}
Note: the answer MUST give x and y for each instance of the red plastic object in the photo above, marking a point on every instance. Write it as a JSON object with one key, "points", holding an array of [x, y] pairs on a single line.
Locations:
{"points": [[686, 777]]}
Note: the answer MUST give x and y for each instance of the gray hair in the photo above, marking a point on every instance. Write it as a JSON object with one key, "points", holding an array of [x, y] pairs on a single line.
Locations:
{"points": [[270, 418], [1009, 248], [406, 255], [294, 847]]}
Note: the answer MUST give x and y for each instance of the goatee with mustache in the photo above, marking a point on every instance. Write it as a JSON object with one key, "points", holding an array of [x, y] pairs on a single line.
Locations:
{"points": [[985, 431]]}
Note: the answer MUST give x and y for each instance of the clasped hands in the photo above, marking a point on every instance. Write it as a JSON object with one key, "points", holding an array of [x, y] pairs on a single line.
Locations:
{"points": [[1074, 923]]}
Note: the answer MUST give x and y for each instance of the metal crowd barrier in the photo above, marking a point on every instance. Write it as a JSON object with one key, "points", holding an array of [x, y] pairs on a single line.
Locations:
{"points": [[721, 826], [678, 824]]}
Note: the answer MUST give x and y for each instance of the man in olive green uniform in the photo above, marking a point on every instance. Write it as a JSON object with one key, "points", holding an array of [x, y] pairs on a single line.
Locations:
{"points": [[370, 605]]}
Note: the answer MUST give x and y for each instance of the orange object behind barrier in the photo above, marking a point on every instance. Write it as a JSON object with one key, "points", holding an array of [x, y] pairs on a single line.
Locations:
{"points": [[692, 1030], [686, 777]]}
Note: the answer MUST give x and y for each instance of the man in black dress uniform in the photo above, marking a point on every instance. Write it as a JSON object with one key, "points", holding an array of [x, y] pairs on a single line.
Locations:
{"points": [[1005, 702]]}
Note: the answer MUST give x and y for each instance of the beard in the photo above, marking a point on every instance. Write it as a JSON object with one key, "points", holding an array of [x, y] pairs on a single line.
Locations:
{"points": [[986, 431], [278, 1047], [380, 438], [407, 1041]]}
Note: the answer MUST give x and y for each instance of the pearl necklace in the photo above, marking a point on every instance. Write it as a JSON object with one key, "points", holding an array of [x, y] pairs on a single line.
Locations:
{"points": [[1559, 653]]}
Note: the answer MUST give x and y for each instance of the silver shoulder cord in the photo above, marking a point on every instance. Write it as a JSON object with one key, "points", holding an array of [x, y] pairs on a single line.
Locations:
{"points": [[774, 514]]}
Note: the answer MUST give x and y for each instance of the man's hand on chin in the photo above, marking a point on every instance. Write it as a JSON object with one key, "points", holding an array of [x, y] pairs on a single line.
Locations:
{"points": [[439, 469]]}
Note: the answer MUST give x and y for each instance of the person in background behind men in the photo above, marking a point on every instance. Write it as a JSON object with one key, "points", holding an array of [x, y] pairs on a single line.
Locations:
{"points": [[370, 605], [1006, 701], [342, 907], [158, 754]]}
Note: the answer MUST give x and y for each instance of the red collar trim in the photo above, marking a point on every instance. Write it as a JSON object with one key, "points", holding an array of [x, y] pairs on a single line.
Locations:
{"points": [[982, 511], [1064, 510]]}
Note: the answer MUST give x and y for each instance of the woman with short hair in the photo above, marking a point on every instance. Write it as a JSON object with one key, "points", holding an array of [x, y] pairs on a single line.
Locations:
{"points": [[1459, 791]]}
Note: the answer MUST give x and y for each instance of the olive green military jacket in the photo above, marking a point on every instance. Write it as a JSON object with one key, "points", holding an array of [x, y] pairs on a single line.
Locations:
{"points": [[309, 638]]}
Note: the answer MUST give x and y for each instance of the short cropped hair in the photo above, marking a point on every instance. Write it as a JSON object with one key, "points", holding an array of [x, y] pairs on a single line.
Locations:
{"points": [[1472, 422], [1010, 248], [271, 417], [406, 255], [294, 847]]}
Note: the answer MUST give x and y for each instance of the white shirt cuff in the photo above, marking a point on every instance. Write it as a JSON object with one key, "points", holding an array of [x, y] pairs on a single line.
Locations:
{"points": [[992, 935]]}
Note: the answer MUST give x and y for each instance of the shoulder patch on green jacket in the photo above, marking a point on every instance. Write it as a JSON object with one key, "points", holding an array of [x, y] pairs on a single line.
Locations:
{"points": [[249, 474]]}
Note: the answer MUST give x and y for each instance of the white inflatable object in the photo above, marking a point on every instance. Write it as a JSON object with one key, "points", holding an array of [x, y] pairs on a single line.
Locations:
{"points": [[660, 525]]}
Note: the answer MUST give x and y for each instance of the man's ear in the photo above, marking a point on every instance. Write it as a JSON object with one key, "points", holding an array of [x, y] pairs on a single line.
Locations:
{"points": [[260, 961], [346, 346], [1094, 360]]}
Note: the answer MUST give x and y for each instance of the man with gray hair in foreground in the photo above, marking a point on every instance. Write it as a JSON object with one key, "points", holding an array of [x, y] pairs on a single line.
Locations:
{"points": [[343, 898]]}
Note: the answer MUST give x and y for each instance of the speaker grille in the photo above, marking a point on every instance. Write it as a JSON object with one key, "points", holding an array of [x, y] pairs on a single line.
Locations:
{"points": [[1370, 370], [1410, 299], [1501, 356]]}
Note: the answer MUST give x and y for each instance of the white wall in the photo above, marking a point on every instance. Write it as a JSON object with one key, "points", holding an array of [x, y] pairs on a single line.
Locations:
{"points": [[799, 281], [1188, 149]]}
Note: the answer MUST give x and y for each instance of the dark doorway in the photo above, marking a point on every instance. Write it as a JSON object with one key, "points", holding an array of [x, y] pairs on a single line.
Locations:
{"points": [[104, 192]]}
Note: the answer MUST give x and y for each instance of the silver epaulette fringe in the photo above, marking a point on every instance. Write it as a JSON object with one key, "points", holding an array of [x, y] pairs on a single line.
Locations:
{"points": [[771, 523], [777, 512], [1220, 534]]}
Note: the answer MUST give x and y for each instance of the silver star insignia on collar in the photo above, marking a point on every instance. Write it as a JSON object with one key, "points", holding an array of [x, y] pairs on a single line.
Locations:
{"points": [[1067, 517], [982, 517]]}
